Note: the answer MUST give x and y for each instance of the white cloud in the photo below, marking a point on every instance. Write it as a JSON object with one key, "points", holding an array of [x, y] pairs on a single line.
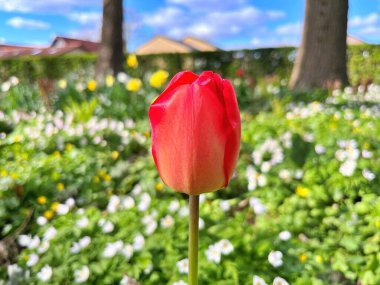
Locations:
{"points": [[290, 29], [206, 5], [85, 18], [369, 20], [2, 40], [213, 24], [43, 6], [18, 22]]}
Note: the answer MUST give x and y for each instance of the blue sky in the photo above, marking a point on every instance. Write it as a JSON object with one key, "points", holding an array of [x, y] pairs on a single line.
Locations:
{"points": [[229, 24]]}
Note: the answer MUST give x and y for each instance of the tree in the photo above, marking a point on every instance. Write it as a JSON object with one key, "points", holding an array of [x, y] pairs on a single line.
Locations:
{"points": [[321, 59], [111, 53]]}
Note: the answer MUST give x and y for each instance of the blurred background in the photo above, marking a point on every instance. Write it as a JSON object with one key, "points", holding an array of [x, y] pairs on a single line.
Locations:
{"points": [[81, 201]]}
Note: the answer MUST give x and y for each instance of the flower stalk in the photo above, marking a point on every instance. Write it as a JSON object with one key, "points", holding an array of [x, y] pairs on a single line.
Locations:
{"points": [[193, 239]]}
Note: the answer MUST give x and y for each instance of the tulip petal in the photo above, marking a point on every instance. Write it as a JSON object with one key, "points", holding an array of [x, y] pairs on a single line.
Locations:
{"points": [[233, 135]]}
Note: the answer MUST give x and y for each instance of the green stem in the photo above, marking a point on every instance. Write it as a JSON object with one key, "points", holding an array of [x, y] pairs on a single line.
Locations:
{"points": [[193, 239]]}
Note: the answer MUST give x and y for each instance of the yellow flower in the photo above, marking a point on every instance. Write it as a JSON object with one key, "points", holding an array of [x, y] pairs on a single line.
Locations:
{"points": [[319, 259], [158, 78], [115, 154], [54, 206], [62, 84], [69, 147], [110, 80], [101, 172], [57, 153], [17, 139], [4, 173], [96, 179], [302, 257], [302, 191], [366, 145], [107, 177], [60, 187], [159, 186], [41, 200], [13, 175], [132, 61], [377, 224], [134, 85], [48, 214], [91, 85]]}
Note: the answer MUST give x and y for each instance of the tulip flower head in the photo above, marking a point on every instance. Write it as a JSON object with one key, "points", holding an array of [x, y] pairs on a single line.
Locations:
{"points": [[196, 132]]}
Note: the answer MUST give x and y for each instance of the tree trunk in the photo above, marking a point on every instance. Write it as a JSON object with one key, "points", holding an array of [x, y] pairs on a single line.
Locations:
{"points": [[321, 59], [111, 54]]}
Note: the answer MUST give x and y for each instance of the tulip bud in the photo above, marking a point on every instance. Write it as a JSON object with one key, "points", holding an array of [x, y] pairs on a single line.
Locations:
{"points": [[196, 132]]}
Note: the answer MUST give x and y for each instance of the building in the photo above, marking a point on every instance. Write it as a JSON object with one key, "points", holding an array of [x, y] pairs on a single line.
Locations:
{"points": [[59, 46], [352, 41], [162, 44]]}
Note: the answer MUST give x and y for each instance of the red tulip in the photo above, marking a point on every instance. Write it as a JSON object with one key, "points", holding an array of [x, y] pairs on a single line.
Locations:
{"points": [[196, 132]]}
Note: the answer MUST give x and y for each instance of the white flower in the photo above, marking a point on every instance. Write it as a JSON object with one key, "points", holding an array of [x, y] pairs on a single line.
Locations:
{"points": [[127, 280], [150, 224], [81, 275], [122, 77], [144, 202], [266, 166], [13, 270], [183, 212], [34, 242], [180, 282], [50, 233], [298, 174], [258, 280], [6, 86], [225, 205], [128, 203], [82, 223], [285, 175], [70, 203], [41, 221], [183, 266], [225, 246], [258, 207], [275, 258], [174, 206], [62, 209], [136, 190], [369, 175], [348, 168], [44, 246], [254, 178], [45, 273], [213, 253], [84, 242], [367, 154], [201, 224], [280, 281], [80, 211], [107, 227], [32, 260], [319, 149], [81, 244], [127, 251], [285, 235], [113, 204], [138, 242], [167, 222], [112, 249], [24, 240]]}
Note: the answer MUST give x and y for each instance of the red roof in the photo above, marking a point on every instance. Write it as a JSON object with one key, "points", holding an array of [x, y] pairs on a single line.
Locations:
{"points": [[59, 46]]}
